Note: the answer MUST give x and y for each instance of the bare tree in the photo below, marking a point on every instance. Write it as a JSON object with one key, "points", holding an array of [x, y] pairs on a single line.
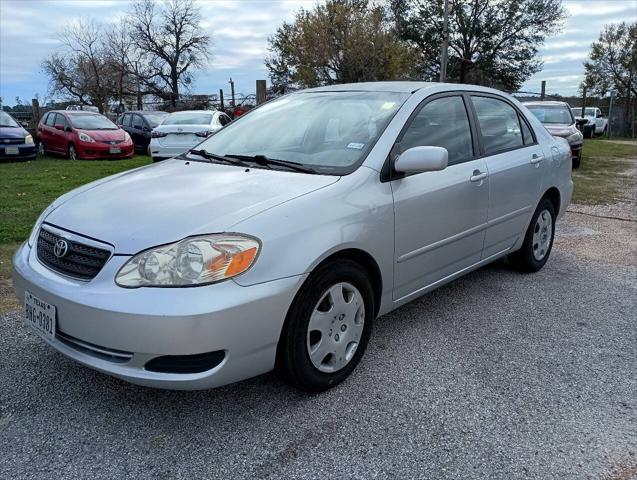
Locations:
{"points": [[82, 70], [171, 42]]}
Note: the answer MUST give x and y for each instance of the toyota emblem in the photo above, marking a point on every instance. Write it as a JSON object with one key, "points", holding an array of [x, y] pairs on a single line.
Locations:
{"points": [[61, 248]]}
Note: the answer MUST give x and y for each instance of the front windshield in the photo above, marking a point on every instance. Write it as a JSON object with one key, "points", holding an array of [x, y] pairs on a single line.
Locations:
{"points": [[588, 112], [154, 119], [187, 118], [551, 114], [330, 132], [7, 120], [91, 122]]}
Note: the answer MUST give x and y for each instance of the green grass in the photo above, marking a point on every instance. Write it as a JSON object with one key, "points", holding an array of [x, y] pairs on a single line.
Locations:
{"points": [[28, 188], [601, 177]]}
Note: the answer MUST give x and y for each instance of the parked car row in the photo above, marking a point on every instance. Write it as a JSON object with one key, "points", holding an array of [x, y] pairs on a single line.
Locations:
{"points": [[83, 134]]}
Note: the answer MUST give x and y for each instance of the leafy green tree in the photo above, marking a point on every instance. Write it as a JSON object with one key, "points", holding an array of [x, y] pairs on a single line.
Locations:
{"points": [[339, 41], [491, 42], [612, 63]]}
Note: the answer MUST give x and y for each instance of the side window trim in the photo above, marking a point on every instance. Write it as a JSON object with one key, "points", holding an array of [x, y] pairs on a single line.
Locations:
{"points": [[388, 173], [476, 126]]}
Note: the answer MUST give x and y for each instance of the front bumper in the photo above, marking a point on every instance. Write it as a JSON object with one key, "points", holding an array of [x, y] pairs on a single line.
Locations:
{"points": [[92, 151], [243, 322], [25, 152]]}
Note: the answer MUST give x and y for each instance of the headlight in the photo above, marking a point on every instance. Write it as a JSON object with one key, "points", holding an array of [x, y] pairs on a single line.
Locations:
{"points": [[127, 137], [193, 261], [29, 140], [86, 138]]}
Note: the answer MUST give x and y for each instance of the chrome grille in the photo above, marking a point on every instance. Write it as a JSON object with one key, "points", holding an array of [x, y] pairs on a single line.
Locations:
{"points": [[11, 141], [79, 261]]}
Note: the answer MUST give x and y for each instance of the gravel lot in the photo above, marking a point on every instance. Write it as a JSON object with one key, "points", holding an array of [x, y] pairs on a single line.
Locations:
{"points": [[498, 375]]}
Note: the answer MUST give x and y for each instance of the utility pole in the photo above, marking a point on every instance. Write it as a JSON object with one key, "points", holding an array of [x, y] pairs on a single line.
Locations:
{"points": [[260, 91], [610, 112], [232, 91], [223, 107], [445, 43], [583, 100], [543, 92]]}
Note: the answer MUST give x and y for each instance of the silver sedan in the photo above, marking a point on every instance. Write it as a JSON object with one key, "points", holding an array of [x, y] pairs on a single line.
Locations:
{"points": [[276, 242]]}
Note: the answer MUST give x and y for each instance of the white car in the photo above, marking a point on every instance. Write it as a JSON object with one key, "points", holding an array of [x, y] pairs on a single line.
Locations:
{"points": [[180, 131], [595, 124]]}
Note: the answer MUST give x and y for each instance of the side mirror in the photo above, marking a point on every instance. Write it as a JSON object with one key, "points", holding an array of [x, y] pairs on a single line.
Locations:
{"points": [[422, 159], [68, 129], [58, 126], [599, 115]]}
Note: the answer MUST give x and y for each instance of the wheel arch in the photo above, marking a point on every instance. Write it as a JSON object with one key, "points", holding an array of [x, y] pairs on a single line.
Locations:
{"points": [[553, 195], [365, 260]]}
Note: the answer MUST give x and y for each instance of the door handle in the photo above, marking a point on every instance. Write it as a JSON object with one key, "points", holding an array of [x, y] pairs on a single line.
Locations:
{"points": [[478, 176], [535, 158]]}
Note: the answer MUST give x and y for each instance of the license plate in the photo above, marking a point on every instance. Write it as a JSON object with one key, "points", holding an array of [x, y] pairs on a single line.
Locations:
{"points": [[40, 316], [11, 150], [114, 150]]}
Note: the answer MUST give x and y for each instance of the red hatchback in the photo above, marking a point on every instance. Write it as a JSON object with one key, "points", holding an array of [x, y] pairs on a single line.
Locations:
{"points": [[80, 134]]}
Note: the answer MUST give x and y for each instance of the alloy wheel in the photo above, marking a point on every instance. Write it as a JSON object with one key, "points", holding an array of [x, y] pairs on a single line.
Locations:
{"points": [[72, 152], [335, 327]]}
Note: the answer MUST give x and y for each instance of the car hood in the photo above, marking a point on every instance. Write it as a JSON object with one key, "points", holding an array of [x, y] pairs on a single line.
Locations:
{"points": [[105, 135], [174, 199], [13, 132]]}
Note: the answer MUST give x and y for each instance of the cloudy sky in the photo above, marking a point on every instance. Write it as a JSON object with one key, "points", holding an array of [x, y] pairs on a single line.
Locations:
{"points": [[240, 29]]}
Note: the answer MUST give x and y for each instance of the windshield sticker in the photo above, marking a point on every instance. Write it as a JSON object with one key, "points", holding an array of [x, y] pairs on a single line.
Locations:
{"points": [[357, 146], [387, 105]]}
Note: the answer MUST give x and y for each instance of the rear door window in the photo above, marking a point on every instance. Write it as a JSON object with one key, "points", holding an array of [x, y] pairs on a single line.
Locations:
{"points": [[138, 122], [442, 122], [499, 124]]}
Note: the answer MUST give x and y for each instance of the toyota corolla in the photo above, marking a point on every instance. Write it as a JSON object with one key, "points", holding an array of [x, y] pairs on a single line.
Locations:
{"points": [[276, 242]]}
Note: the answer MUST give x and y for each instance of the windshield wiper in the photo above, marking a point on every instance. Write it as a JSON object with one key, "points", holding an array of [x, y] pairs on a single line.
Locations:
{"points": [[265, 161], [213, 156]]}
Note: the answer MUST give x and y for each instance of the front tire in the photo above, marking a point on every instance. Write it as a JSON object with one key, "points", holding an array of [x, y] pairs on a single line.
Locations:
{"points": [[327, 327], [73, 152], [41, 149], [577, 160], [538, 241]]}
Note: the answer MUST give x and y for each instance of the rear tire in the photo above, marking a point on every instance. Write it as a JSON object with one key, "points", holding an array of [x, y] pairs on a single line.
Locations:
{"points": [[577, 160], [324, 337], [538, 241]]}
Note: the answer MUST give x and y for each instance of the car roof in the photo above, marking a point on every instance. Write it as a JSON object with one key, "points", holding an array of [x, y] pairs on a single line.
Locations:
{"points": [[548, 103], [396, 87], [75, 112], [196, 111], [145, 112]]}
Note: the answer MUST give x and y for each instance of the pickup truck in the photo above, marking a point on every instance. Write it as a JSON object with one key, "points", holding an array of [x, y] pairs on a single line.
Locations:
{"points": [[595, 124]]}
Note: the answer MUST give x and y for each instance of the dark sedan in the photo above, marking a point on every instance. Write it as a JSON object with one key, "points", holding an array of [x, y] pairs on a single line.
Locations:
{"points": [[15, 142], [139, 124]]}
